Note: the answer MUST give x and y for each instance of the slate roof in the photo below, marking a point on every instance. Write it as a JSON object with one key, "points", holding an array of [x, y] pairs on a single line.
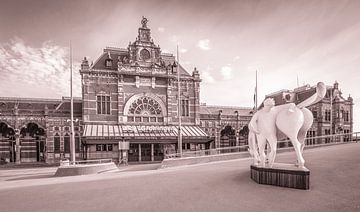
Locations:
{"points": [[114, 54]]}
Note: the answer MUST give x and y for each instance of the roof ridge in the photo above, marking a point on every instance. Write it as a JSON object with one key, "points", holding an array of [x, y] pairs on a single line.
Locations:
{"points": [[228, 107]]}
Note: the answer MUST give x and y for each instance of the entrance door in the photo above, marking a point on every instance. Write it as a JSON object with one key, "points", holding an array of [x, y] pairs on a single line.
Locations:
{"points": [[145, 152], [133, 152], [158, 152]]}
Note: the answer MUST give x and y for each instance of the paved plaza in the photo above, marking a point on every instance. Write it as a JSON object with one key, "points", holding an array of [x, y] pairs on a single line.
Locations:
{"points": [[221, 186]]}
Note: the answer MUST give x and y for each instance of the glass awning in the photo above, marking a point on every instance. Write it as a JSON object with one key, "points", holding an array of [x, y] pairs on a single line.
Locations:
{"points": [[99, 131]]}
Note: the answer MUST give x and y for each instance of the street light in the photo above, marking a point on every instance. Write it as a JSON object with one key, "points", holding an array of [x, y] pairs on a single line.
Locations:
{"points": [[176, 65]]}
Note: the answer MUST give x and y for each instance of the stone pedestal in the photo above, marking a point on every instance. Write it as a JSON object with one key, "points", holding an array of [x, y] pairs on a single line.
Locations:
{"points": [[283, 175]]}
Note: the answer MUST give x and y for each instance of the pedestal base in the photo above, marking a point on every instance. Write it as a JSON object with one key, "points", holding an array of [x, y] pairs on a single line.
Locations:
{"points": [[281, 174]]}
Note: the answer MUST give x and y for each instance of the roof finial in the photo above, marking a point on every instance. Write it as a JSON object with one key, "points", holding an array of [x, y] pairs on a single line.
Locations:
{"points": [[144, 22]]}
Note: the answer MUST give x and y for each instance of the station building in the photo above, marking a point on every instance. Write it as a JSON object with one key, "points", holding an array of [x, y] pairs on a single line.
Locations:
{"points": [[128, 95]]}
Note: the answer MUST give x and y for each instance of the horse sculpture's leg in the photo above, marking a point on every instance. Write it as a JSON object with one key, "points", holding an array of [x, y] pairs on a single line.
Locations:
{"points": [[273, 147], [261, 143], [297, 145], [253, 148]]}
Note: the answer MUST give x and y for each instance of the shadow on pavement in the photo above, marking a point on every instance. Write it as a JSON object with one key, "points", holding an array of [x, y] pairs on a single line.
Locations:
{"points": [[32, 177]]}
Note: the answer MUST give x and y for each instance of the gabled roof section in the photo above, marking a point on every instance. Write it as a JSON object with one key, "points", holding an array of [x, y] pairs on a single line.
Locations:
{"points": [[110, 53]]}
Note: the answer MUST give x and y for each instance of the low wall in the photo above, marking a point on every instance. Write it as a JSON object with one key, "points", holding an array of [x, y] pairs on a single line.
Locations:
{"points": [[173, 162], [84, 169]]}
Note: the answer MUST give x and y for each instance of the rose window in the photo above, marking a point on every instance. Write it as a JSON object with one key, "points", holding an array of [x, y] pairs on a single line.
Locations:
{"points": [[145, 109]]}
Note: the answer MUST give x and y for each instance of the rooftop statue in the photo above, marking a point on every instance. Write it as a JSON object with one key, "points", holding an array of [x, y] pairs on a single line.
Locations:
{"points": [[144, 22], [292, 120]]}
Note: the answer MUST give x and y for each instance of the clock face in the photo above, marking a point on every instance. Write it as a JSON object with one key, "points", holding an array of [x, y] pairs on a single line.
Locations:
{"points": [[144, 54]]}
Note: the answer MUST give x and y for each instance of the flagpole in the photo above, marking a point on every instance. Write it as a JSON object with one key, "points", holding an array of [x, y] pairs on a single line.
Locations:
{"points": [[179, 103], [72, 142], [297, 80], [256, 92]]}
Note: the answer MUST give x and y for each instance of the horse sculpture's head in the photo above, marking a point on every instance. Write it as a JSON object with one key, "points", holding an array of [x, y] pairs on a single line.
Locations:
{"points": [[269, 102]]}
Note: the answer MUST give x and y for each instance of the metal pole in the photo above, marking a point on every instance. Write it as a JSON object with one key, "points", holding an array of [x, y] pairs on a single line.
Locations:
{"points": [[256, 92], [72, 142], [331, 117], [179, 103]]}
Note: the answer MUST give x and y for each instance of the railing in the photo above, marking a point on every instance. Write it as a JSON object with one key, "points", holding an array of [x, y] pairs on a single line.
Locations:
{"points": [[310, 141], [84, 162]]}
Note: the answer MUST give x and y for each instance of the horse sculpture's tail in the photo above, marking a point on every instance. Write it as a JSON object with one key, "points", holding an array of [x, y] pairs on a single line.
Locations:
{"points": [[319, 95]]}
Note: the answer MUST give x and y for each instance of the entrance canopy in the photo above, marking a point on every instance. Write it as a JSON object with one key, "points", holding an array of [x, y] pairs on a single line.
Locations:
{"points": [[148, 132]]}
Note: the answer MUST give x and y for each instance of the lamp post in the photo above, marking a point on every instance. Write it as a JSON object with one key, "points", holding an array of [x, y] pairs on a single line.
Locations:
{"points": [[17, 146], [72, 141], [176, 65]]}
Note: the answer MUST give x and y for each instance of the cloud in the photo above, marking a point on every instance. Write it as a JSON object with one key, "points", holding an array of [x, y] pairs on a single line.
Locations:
{"points": [[207, 78], [161, 29], [226, 72], [236, 58], [182, 50], [174, 39], [204, 44], [43, 70]]}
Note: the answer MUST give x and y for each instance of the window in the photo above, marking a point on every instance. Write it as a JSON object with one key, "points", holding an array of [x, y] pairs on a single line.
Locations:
{"points": [[145, 109], [110, 147], [310, 134], [346, 115], [67, 143], [98, 147], [104, 147], [184, 107], [314, 114], [57, 143], [327, 132], [103, 104], [145, 119], [327, 115], [108, 63]]}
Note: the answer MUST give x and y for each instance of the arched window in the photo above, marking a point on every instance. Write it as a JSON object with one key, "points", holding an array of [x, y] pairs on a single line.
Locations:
{"points": [[57, 143], [145, 109], [67, 143]]}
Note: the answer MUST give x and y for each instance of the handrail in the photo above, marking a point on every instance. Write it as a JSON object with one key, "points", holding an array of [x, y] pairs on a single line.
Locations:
{"points": [[87, 162], [318, 141]]}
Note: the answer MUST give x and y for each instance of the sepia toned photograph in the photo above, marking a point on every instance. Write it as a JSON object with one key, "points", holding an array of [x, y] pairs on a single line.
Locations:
{"points": [[179, 105]]}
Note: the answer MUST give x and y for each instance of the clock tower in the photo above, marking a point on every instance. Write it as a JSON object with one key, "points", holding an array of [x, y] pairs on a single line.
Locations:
{"points": [[143, 52]]}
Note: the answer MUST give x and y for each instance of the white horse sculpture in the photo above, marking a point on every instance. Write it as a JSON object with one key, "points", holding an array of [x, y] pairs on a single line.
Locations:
{"points": [[292, 120]]}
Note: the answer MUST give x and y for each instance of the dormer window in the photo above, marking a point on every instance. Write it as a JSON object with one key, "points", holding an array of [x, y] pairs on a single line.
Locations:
{"points": [[108, 63]]}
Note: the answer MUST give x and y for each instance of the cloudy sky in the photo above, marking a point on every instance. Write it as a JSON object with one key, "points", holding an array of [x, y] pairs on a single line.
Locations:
{"points": [[226, 40]]}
